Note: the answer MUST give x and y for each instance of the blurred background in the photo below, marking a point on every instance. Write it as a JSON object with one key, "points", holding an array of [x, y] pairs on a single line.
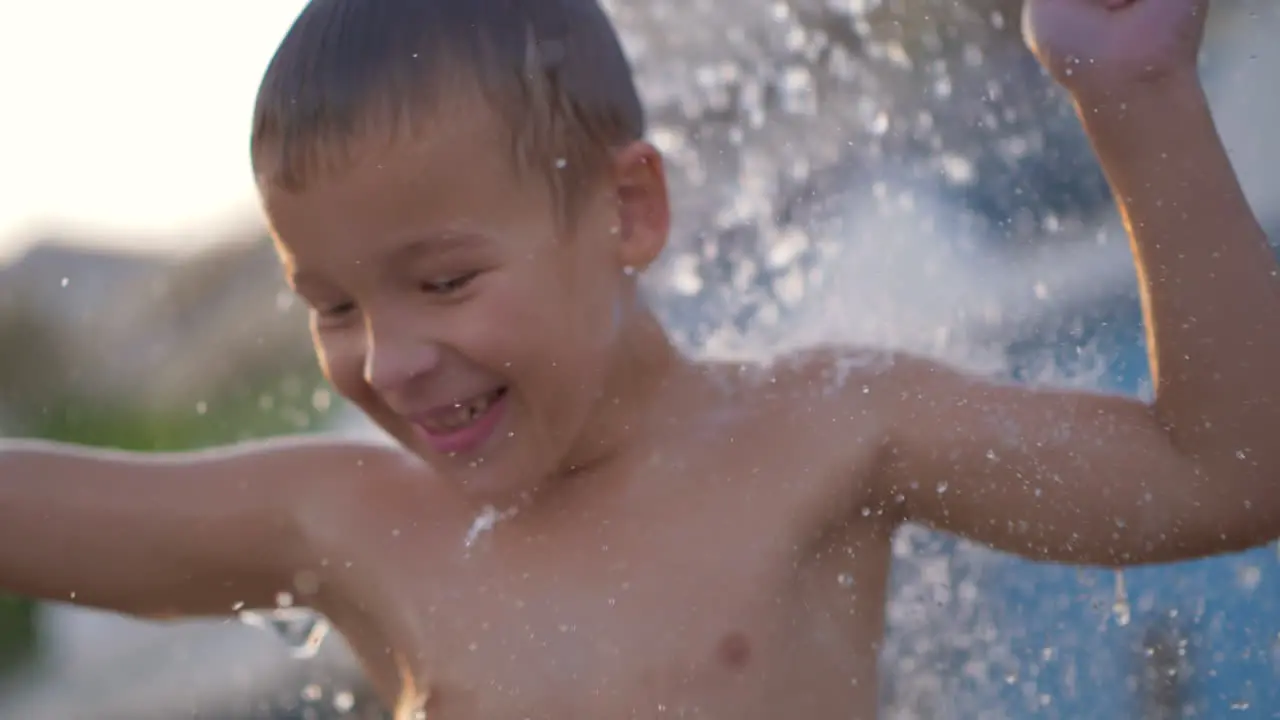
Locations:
{"points": [[880, 171]]}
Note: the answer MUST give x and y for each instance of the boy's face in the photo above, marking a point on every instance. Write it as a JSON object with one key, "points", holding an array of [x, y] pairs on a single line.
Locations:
{"points": [[450, 305]]}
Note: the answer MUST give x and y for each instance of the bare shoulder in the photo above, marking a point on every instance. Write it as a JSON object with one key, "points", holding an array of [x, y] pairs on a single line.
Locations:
{"points": [[868, 391], [804, 379], [820, 417], [843, 387], [849, 405]]}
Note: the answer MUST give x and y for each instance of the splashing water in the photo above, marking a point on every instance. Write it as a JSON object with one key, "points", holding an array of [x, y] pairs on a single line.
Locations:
{"points": [[488, 518], [870, 174], [901, 175], [302, 630], [1120, 608]]}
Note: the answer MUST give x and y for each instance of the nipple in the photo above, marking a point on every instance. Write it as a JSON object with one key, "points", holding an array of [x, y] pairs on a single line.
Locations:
{"points": [[734, 650]]}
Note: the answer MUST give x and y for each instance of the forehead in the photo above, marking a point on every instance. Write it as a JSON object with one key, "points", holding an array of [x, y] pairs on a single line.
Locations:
{"points": [[454, 174]]}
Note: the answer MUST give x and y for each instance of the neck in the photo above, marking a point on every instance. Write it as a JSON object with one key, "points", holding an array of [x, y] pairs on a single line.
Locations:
{"points": [[645, 364]]}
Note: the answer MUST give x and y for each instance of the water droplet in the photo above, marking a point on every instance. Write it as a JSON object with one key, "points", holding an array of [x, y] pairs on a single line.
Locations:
{"points": [[344, 701], [845, 580], [302, 630], [1249, 576], [488, 518], [1120, 608], [880, 124], [66, 282], [321, 400]]}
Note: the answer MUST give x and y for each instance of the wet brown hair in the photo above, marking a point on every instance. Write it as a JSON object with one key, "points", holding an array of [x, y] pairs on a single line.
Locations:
{"points": [[347, 70]]}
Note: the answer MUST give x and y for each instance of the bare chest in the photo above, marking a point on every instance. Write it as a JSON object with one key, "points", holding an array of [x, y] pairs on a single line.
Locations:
{"points": [[708, 588], [691, 618]]}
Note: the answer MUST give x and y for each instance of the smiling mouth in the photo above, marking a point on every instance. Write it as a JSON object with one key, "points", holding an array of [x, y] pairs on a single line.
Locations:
{"points": [[461, 415]]}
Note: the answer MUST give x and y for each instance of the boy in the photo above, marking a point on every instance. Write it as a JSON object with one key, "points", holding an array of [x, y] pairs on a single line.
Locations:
{"points": [[460, 190]]}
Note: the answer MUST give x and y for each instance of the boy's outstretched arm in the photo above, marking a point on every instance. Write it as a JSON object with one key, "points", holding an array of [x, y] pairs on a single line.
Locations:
{"points": [[1093, 479], [185, 534]]}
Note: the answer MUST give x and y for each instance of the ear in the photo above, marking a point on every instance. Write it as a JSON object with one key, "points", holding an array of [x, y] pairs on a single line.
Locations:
{"points": [[644, 210]]}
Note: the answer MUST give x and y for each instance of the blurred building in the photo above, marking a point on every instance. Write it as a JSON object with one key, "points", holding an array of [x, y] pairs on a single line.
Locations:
{"points": [[145, 328]]}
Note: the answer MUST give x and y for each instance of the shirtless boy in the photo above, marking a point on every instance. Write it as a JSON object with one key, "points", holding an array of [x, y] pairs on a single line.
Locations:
{"points": [[461, 192]]}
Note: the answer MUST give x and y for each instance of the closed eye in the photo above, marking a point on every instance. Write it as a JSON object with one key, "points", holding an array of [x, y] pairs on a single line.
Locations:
{"points": [[448, 285], [336, 311]]}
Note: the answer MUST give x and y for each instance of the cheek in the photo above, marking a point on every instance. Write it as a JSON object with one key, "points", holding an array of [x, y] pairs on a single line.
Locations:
{"points": [[531, 333], [342, 360], [509, 329], [551, 321]]}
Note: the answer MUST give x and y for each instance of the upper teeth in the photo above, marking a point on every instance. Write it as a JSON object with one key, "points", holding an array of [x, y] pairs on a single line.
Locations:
{"points": [[463, 413]]}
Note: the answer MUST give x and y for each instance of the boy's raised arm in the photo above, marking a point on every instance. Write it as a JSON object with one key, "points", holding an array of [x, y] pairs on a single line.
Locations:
{"points": [[1094, 479], [184, 534]]}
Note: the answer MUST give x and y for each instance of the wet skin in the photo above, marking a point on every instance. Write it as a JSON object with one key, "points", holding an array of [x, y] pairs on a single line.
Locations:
{"points": [[705, 574], [671, 551]]}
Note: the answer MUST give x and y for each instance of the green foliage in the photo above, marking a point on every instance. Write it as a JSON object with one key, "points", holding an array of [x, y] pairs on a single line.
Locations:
{"points": [[298, 403], [17, 631]]}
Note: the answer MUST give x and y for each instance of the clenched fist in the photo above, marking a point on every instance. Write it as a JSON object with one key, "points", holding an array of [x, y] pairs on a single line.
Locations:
{"points": [[1108, 46]]}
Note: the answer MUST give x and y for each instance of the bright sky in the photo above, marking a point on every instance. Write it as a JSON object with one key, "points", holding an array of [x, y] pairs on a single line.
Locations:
{"points": [[131, 116]]}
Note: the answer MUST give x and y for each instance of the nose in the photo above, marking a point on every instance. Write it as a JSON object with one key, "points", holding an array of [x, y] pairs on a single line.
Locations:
{"points": [[394, 358]]}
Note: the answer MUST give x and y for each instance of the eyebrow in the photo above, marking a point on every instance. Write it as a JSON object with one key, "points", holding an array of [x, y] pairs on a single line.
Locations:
{"points": [[435, 244], [427, 245]]}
